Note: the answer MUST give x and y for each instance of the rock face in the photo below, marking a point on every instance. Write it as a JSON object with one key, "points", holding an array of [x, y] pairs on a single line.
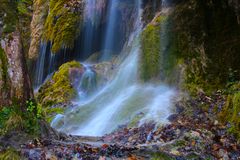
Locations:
{"points": [[150, 8], [39, 16]]}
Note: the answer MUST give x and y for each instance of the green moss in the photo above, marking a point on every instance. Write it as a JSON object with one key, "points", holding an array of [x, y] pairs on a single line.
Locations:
{"points": [[59, 89], [135, 120], [62, 25], [57, 92], [50, 113], [3, 69], [151, 56]]}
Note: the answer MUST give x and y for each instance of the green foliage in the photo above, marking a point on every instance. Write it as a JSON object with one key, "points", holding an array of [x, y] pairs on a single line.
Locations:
{"points": [[23, 6], [8, 13], [231, 111], [62, 25], [14, 118], [9, 154], [34, 108]]}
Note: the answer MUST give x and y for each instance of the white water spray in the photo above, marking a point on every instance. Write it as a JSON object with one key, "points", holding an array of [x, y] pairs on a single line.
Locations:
{"points": [[120, 100]]}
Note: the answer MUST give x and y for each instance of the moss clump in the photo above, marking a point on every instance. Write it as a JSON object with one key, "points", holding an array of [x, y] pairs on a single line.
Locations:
{"points": [[151, 50], [59, 89], [3, 67], [62, 24]]}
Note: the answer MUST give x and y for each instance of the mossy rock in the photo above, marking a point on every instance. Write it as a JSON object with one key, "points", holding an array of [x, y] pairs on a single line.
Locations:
{"points": [[159, 58], [62, 25], [150, 58], [59, 89]]}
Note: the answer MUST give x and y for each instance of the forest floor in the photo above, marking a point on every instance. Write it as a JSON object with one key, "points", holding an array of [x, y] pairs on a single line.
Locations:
{"points": [[191, 134]]}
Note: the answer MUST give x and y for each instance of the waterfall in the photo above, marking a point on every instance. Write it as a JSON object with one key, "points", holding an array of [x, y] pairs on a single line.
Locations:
{"points": [[121, 99], [111, 25], [88, 82], [45, 65], [39, 71], [92, 18]]}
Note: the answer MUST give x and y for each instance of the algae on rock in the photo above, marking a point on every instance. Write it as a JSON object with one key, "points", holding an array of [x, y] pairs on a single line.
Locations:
{"points": [[62, 25], [4, 78], [150, 59], [59, 89]]}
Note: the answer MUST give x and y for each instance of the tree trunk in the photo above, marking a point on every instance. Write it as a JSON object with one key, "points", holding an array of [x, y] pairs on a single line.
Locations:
{"points": [[19, 81]]}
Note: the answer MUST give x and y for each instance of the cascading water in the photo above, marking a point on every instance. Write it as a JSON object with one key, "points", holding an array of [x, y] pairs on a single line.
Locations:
{"points": [[111, 25], [120, 100], [88, 82], [39, 74], [92, 18], [45, 64]]}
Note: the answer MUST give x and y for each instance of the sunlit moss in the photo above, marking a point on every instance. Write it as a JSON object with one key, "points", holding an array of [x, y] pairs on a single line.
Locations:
{"points": [[151, 57], [59, 89], [62, 25]]}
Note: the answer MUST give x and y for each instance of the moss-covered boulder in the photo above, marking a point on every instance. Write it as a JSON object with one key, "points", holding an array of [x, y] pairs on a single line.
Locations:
{"points": [[62, 24], [60, 89]]}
